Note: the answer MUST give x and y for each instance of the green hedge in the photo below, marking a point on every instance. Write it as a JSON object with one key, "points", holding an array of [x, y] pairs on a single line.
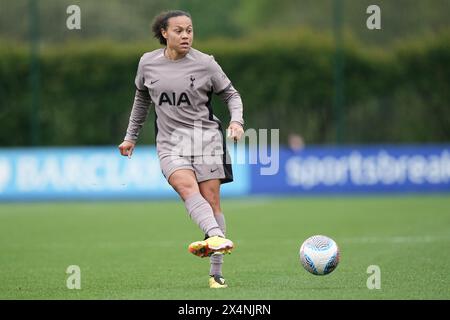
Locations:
{"points": [[86, 91]]}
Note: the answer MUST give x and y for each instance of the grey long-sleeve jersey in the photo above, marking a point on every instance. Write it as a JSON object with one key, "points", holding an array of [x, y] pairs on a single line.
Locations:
{"points": [[180, 91]]}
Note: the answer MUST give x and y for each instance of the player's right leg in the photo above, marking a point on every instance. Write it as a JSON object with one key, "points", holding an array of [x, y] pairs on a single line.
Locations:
{"points": [[182, 178], [185, 184]]}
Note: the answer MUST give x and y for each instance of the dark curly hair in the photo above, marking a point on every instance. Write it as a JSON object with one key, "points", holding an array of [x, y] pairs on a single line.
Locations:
{"points": [[162, 20]]}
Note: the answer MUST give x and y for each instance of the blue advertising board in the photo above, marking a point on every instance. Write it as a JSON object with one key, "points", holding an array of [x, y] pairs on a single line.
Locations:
{"points": [[359, 169], [101, 173], [91, 173]]}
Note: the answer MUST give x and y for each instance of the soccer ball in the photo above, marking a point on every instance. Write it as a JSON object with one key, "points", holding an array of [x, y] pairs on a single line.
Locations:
{"points": [[319, 255]]}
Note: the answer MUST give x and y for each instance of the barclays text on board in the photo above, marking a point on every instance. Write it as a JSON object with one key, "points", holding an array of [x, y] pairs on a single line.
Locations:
{"points": [[88, 173]]}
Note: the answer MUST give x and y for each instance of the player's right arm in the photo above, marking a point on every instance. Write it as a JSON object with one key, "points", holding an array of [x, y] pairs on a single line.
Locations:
{"points": [[138, 115]]}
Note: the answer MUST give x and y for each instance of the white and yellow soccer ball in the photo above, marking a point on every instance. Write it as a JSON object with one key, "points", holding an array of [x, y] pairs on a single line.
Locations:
{"points": [[319, 255]]}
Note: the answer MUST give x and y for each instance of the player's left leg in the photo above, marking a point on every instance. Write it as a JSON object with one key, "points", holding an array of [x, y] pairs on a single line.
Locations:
{"points": [[211, 172], [210, 190]]}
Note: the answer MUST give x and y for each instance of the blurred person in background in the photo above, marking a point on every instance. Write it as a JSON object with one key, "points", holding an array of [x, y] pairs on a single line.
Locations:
{"points": [[296, 142], [179, 81]]}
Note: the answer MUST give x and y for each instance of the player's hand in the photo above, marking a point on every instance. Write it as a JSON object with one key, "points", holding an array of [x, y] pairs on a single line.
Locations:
{"points": [[126, 148], [235, 131]]}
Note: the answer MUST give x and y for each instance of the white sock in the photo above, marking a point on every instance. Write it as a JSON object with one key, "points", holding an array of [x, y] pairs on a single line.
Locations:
{"points": [[216, 260], [201, 212]]}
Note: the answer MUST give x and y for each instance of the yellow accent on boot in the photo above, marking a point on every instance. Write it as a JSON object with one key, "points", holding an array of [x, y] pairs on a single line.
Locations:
{"points": [[219, 245], [217, 282], [210, 246]]}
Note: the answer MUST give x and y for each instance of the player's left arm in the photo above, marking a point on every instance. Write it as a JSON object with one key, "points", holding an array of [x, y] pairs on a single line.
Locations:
{"points": [[233, 100], [224, 89]]}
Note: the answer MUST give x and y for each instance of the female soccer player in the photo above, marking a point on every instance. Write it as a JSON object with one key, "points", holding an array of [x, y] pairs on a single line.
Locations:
{"points": [[179, 81]]}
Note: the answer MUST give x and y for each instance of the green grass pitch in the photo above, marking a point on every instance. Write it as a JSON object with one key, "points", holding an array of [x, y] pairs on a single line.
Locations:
{"points": [[138, 250]]}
